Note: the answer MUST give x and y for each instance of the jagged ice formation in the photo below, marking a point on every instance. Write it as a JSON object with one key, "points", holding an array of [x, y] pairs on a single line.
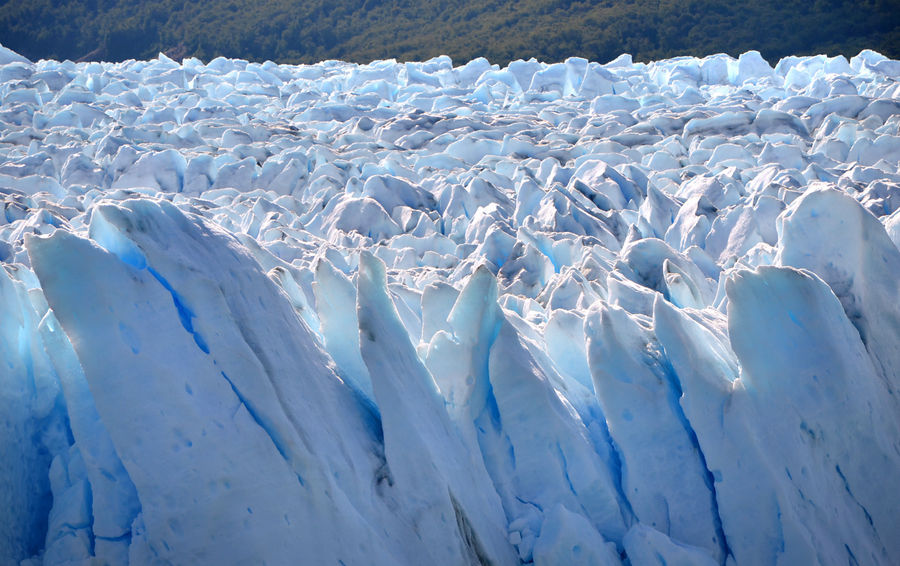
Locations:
{"points": [[424, 314]]}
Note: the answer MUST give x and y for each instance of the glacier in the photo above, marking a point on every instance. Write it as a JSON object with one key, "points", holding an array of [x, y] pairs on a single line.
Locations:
{"points": [[411, 313]]}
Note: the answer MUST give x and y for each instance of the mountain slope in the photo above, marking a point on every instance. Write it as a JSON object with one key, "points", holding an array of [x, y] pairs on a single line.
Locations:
{"points": [[501, 30]]}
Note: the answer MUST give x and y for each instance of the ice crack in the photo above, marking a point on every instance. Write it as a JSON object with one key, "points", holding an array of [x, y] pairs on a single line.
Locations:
{"points": [[251, 410], [708, 477]]}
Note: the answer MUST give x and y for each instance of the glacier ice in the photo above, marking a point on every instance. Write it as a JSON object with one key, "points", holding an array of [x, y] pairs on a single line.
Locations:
{"points": [[410, 313]]}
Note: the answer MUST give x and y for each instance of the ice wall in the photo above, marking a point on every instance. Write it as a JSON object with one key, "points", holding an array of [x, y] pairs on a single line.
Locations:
{"points": [[420, 313]]}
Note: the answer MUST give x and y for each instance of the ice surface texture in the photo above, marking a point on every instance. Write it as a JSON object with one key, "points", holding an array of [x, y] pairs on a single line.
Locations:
{"points": [[424, 314]]}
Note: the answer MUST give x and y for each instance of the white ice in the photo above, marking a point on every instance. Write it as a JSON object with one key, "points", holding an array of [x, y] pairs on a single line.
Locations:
{"points": [[418, 313]]}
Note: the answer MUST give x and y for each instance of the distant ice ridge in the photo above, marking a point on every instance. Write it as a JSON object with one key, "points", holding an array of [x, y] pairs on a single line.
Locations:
{"points": [[423, 314]]}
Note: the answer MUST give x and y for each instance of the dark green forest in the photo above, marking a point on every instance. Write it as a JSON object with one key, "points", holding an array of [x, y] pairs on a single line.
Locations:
{"points": [[305, 31]]}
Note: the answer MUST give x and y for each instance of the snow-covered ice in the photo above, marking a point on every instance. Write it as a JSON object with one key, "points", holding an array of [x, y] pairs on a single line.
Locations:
{"points": [[418, 313]]}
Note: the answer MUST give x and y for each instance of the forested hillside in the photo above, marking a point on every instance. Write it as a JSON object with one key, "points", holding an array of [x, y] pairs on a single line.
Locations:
{"points": [[294, 31]]}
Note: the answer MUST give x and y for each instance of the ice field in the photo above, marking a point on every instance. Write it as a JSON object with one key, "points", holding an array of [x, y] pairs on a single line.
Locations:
{"points": [[418, 313]]}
